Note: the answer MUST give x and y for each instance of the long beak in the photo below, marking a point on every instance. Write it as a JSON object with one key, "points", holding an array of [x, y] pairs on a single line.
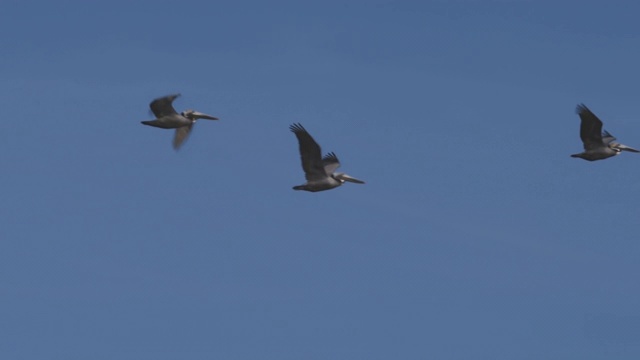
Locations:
{"points": [[627, 148], [199, 115], [348, 178]]}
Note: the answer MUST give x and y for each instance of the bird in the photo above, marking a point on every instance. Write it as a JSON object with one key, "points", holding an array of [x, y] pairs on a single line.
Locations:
{"points": [[598, 144], [318, 170], [168, 118]]}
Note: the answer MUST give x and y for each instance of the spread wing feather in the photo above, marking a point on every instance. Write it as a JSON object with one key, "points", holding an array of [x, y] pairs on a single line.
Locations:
{"points": [[590, 128], [163, 106], [182, 134], [331, 163], [310, 154]]}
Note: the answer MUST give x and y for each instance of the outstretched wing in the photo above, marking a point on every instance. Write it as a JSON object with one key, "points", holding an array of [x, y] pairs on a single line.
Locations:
{"points": [[330, 163], [310, 154], [163, 106], [590, 128], [182, 134]]}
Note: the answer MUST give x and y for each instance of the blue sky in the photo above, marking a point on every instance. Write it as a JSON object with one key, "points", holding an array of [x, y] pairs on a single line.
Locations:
{"points": [[475, 237]]}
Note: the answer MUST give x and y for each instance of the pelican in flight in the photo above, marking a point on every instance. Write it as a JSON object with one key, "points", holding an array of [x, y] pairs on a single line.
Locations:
{"points": [[168, 118], [318, 170], [598, 144]]}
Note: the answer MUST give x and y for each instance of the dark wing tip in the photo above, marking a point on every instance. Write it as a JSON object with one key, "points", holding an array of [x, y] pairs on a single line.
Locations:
{"points": [[587, 115], [582, 108], [168, 98], [173, 96], [297, 128], [331, 157]]}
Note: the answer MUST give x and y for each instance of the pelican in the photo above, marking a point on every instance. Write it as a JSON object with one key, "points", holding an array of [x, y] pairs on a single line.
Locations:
{"points": [[318, 170], [598, 144], [168, 118]]}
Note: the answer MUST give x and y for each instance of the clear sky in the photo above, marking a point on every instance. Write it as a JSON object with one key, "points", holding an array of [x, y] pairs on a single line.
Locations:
{"points": [[475, 237]]}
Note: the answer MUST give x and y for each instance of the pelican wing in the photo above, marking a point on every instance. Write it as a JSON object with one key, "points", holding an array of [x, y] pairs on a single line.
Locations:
{"points": [[163, 106], [182, 133], [330, 163], [590, 128], [310, 154], [607, 137]]}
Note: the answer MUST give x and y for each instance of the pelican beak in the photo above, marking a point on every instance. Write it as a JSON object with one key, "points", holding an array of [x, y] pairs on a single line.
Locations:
{"points": [[348, 178], [199, 115], [627, 148]]}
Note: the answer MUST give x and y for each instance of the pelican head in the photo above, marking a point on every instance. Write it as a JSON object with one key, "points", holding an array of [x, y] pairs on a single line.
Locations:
{"points": [[342, 177], [196, 115], [618, 148]]}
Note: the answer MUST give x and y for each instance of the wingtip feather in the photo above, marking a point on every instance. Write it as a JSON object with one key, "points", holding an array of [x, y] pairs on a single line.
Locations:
{"points": [[580, 108], [297, 127]]}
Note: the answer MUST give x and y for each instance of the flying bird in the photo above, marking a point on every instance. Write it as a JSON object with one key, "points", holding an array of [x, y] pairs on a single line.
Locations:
{"points": [[168, 118], [318, 170], [598, 144]]}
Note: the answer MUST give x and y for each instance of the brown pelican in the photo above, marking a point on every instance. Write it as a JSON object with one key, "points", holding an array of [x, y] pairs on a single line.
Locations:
{"points": [[318, 170], [168, 118], [598, 145]]}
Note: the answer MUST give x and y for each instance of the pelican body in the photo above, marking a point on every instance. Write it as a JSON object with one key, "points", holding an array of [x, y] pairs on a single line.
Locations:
{"points": [[168, 118], [318, 170], [598, 144]]}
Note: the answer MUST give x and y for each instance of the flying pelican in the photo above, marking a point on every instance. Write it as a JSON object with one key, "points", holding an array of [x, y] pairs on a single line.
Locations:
{"points": [[318, 170], [168, 118], [598, 144]]}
